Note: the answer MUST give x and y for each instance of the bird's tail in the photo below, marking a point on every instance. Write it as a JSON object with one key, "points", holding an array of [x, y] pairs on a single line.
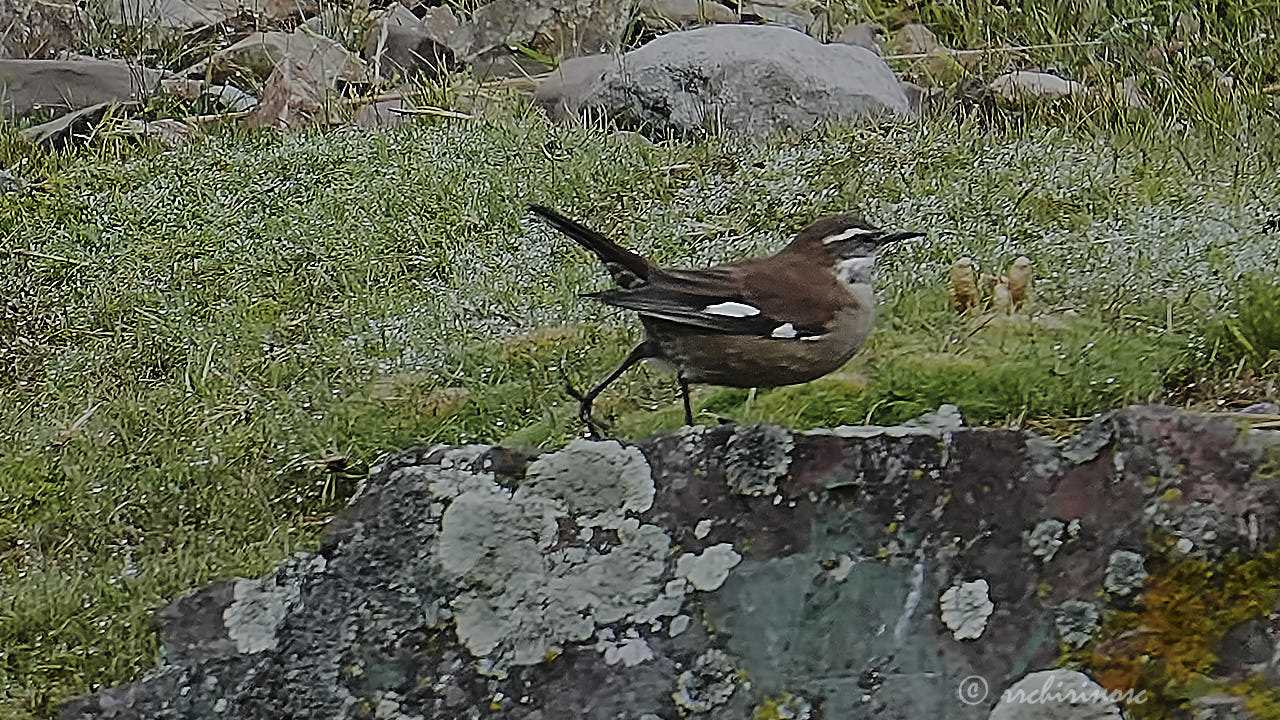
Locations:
{"points": [[609, 252]]}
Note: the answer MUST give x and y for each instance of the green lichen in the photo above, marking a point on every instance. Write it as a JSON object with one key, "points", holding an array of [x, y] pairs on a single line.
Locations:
{"points": [[783, 706]]}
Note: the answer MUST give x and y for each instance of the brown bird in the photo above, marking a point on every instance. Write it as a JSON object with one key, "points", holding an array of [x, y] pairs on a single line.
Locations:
{"points": [[762, 322], [1020, 281], [963, 289]]}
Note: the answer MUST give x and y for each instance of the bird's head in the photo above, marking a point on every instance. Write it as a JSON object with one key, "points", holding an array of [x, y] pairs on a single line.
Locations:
{"points": [[847, 243]]}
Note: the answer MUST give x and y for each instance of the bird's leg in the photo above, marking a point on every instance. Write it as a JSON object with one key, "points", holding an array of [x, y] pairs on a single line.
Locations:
{"points": [[746, 406], [684, 393], [638, 353]]}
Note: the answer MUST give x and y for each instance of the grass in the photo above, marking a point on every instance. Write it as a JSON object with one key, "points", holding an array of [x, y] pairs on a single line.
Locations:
{"points": [[203, 349]]}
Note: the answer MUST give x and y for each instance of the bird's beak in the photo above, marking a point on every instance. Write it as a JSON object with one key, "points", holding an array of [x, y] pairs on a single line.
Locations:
{"points": [[892, 236]]}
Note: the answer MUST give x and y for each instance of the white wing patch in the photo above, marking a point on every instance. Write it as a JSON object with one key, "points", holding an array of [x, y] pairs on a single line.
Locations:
{"points": [[850, 233], [731, 309], [785, 330]]}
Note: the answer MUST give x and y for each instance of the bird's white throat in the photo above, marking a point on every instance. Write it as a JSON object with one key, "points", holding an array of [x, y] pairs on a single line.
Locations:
{"points": [[856, 270]]}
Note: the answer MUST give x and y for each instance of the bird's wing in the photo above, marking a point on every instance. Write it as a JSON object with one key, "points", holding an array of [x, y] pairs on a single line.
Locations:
{"points": [[711, 299]]}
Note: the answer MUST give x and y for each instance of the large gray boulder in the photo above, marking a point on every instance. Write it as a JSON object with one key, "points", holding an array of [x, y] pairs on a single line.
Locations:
{"points": [[740, 79], [928, 570]]}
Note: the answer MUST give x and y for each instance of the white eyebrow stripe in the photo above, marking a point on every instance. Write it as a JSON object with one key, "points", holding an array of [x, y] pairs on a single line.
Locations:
{"points": [[731, 309], [785, 330], [851, 232], [813, 337]]}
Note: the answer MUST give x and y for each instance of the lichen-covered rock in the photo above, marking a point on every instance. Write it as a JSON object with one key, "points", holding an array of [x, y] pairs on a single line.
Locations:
{"points": [[708, 685], [399, 43], [559, 28], [899, 572], [680, 14]]}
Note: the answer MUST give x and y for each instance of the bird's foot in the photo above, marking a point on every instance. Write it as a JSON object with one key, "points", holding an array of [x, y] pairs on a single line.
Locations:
{"points": [[595, 428]]}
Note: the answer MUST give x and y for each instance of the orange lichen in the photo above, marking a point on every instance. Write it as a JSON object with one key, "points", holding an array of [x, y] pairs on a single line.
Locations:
{"points": [[1165, 645]]}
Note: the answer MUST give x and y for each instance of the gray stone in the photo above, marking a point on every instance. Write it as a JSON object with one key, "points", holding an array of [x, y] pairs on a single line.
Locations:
{"points": [[560, 92], [381, 114], [261, 53], [443, 27], [748, 80], [292, 98], [558, 28], [71, 84], [1262, 408], [794, 15], [867, 35], [61, 128], [180, 15], [914, 39], [681, 14], [1025, 86], [1244, 646], [170, 14], [401, 44], [1220, 707]]}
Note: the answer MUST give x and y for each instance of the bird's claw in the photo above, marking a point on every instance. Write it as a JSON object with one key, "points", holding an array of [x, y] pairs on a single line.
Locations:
{"points": [[595, 428]]}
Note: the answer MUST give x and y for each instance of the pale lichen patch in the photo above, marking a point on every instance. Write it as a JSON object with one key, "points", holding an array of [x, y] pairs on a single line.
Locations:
{"points": [[1045, 538], [524, 593], [706, 686], [1076, 621], [965, 609], [598, 482], [1125, 573], [709, 570], [259, 606], [756, 457]]}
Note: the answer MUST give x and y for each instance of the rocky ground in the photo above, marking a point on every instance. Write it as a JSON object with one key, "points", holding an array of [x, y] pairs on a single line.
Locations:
{"points": [[165, 70]]}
